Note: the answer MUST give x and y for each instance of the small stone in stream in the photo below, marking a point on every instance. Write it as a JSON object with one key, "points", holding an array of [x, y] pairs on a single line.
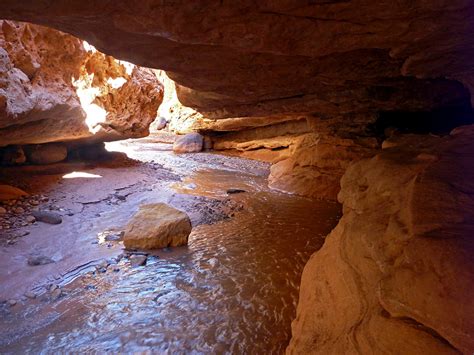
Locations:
{"points": [[235, 191], [55, 294], [53, 287], [102, 264], [47, 217], [30, 294], [113, 267], [138, 260], [11, 303], [35, 260], [3, 210], [19, 210], [31, 219], [34, 203]]}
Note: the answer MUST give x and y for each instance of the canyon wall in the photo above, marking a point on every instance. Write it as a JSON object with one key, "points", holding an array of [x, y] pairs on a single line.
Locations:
{"points": [[54, 87], [397, 272]]}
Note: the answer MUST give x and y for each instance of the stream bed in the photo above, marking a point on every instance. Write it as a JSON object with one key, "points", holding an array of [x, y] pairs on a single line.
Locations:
{"points": [[233, 289]]}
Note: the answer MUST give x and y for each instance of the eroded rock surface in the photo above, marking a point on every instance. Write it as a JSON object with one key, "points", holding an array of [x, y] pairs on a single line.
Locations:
{"points": [[54, 87], [397, 273], [253, 59]]}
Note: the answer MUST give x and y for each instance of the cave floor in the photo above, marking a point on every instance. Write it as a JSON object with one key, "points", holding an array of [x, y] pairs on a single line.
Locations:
{"points": [[233, 288]]}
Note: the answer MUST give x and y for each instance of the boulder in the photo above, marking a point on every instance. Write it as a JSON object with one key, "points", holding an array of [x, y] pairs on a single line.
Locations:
{"points": [[46, 153], [47, 217], [189, 143], [157, 226]]}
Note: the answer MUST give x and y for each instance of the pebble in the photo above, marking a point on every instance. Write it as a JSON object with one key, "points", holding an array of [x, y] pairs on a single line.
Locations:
{"points": [[138, 260], [114, 268], [19, 210], [56, 293], [102, 265], [31, 219], [11, 303], [34, 203], [30, 294], [3, 210]]}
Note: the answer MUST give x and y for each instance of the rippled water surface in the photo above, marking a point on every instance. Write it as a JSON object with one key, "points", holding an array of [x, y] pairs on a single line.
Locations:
{"points": [[234, 288]]}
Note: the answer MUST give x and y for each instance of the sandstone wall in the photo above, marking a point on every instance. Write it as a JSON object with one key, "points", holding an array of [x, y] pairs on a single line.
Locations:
{"points": [[397, 273], [54, 87]]}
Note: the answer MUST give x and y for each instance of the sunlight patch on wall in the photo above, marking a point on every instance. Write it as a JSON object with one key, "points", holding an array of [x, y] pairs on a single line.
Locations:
{"points": [[87, 94]]}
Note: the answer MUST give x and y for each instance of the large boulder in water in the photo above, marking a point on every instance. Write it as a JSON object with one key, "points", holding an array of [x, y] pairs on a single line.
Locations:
{"points": [[189, 143], [157, 226]]}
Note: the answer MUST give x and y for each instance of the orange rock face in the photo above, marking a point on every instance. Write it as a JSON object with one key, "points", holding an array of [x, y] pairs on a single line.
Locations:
{"points": [[397, 273], [54, 87]]}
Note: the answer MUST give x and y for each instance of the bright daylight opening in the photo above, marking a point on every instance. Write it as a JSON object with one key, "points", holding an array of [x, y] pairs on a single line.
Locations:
{"points": [[81, 174]]}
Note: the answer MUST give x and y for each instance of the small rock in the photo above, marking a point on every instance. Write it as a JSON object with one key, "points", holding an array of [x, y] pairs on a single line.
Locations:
{"points": [[102, 265], [34, 203], [47, 217], [31, 219], [35, 260], [56, 293], [158, 123], [114, 236], [113, 267], [11, 303], [138, 260], [235, 191], [19, 210], [3, 210], [30, 294]]}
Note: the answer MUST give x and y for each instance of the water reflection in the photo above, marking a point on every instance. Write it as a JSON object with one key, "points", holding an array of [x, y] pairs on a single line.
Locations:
{"points": [[232, 290]]}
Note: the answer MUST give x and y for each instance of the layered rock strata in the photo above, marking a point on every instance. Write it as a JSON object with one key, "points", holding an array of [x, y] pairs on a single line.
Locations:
{"points": [[55, 87], [397, 272]]}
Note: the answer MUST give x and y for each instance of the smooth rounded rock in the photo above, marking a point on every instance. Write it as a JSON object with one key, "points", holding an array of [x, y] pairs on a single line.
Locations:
{"points": [[189, 143]]}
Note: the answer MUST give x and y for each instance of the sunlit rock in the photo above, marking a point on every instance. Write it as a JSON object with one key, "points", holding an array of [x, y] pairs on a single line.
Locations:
{"points": [[157, 226], [55, 87], [397, 273]]}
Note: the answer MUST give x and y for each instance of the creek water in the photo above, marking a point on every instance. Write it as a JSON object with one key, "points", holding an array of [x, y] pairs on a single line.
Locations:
{"points": [[233, 289]]}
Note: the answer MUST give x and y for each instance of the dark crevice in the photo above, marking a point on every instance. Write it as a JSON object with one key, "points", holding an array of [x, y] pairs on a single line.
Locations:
{"points": [[440, 121]]}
